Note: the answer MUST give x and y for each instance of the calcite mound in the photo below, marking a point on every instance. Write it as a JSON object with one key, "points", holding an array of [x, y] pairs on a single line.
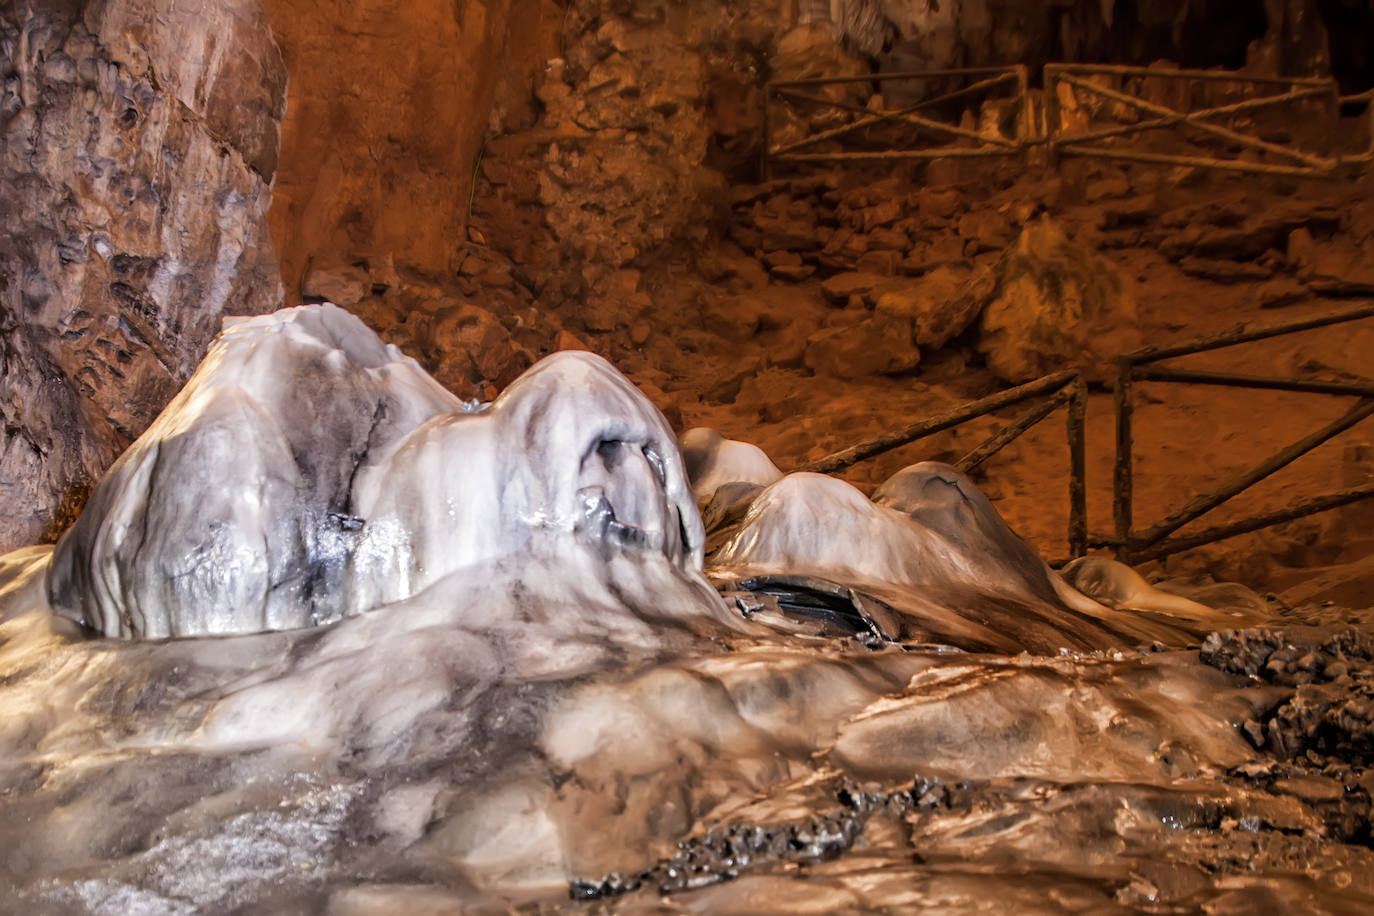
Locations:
{"points": [[308, 472], [934, 552]]}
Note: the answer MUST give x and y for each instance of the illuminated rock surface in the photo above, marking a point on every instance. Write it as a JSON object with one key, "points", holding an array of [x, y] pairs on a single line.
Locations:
{"points": [[554, 701], [138, 141], [255, 505]]}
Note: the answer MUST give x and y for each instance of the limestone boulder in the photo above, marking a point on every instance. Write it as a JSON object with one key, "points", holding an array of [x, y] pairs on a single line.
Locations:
{"points": [[137, 151], [341, 284], [475, 354], [1333, 265], [626, 174], [937, 306], [463, 345], [874, 346], [1055, 305]]}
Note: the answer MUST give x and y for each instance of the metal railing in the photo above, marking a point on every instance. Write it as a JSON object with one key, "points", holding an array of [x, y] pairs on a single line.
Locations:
{"points": [[1053, 391], [864, 117], [1202, 122], [1140, 545]]}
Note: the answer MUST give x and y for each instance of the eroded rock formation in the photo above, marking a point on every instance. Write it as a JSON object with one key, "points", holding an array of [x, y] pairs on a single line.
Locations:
{"points": [[138, 143], [1056, 304]]}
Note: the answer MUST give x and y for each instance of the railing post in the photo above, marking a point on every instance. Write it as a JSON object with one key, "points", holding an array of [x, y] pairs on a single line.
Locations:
{"points": [[1078, 470], [1051, 91], [1122, 482], [1026, 135]]}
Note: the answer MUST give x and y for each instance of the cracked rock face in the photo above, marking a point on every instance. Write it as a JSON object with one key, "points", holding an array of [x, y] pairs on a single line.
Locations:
{"points": [[308, 472], [137, 147]]}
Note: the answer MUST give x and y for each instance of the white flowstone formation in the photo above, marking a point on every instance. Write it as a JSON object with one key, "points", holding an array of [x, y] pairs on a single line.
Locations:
{"points": [[932, 546], [714, 461], [1119, 586], [548, 689], [308, 472], [570, 457]]}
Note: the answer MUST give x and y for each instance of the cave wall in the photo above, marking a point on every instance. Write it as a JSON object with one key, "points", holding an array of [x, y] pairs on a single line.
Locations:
{"points": [[388, 108], [138, 142]]}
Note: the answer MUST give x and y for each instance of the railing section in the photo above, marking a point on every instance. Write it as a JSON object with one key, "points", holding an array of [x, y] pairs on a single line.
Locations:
{"points": [[791, 106], [1133, 545], [1052, 391], [1128, 142]]}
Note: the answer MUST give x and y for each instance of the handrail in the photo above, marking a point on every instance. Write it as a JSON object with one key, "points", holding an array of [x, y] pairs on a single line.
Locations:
{"points": [[984, 146], [1297, 162], [1153, 542], [1058, 389], [1300, 162], [1067, 387]]}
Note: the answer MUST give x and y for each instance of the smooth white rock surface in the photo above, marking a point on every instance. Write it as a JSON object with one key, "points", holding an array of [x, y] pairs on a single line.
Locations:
{"points": [[932, 546], [519, 675], [307, 472], [714, 461]]}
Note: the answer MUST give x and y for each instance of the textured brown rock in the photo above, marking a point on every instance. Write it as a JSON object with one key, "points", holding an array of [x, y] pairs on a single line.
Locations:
{"points": [[466, 347], [1333, 265], [341, 284], [843, 286], [627, 174], [874, 346], [1056, 305], [135, 162], [939, 305]]}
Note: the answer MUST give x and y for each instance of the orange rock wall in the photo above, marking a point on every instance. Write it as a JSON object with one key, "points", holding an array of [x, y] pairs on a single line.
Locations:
{"points": [[387, 107]]}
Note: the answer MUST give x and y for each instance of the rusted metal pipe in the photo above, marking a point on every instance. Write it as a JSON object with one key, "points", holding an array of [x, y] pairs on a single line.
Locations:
{"points": [[1218, 76], [1078, 468], [1053, 126], [1006, 73], [914, 120], [875, 117], [1244, 333], [1179, 117], [1231, 380], [837, 461], [1122, 473], [1202, 162], [1223, 133], [937, 152]]}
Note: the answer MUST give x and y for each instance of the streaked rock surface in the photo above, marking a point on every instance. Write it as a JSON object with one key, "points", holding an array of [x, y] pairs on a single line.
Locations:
{"points": [[137, 147], [307, 471]]}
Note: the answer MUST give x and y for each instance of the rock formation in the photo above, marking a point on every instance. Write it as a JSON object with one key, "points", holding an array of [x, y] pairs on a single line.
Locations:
{"points": [[307, 472], [1056, 304], [138, 142], [931, 548]]}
